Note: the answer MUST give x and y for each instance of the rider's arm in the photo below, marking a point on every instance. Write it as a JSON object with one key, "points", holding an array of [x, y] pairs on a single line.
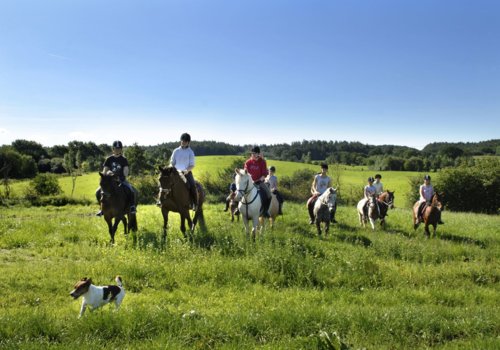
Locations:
{"points": [[313, 187], [125, 171]]}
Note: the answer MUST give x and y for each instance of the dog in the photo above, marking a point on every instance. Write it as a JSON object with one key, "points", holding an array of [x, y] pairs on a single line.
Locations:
{"points": [[97, 296]]}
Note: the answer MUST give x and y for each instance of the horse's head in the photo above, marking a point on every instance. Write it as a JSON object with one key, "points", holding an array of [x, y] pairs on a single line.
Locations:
{"points": [[167, 178], [388, 198], [437, 200], [108, 183], [329, 198], [243, 183]]}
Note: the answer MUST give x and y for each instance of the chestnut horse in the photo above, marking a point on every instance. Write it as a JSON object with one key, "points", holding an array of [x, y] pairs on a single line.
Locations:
{"points": [[430, 214], [115, 205], [174, 196]]}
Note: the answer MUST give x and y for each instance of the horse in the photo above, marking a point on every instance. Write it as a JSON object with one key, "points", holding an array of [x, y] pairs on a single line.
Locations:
{"points": [[431, 213], [324, 208], [247, 194], [233, 207], [274, 208], [174, 196], [377, 209], [115, 205]]}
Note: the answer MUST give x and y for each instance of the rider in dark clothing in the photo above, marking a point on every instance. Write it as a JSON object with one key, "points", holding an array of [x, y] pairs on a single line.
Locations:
{"points": [[117, 164]]}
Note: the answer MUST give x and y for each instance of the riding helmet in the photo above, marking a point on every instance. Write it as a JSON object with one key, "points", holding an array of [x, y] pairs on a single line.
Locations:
{"points": [[370, 179], [117, 144], [427, 177], [324, 166], [272, 168], [186, 137], [378, 176], [255, 149]]}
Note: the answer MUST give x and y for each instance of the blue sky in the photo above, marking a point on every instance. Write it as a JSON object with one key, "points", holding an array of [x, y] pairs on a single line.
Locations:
{"points": [[250, 72]]}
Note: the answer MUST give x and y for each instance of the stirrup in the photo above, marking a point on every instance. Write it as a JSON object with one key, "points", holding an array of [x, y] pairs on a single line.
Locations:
{"points": [[133, 210], [99, 213]]}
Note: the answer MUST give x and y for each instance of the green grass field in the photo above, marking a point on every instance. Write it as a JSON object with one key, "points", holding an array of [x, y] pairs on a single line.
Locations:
{"points": [[375, 290], [351, 178]]}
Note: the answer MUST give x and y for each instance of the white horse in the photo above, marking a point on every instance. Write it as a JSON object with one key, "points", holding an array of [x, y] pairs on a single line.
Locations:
{"points": [[249, 200], [372, 214], [324, 207]]}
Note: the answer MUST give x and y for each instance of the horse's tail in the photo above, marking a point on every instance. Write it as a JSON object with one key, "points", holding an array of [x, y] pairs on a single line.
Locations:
{"points": [[132, 222]]}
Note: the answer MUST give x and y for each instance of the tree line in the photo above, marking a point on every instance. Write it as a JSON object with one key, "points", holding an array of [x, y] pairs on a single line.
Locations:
{"points": [[25, 159]]}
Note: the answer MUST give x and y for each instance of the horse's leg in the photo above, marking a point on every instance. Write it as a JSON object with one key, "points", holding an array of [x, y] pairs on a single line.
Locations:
{"points": [[183, 224], [372, 223], [124, 219], [426, 229], [109, 221], [318, 226], [245, 223], [327, 227], [114, 228], [255, 221], [165, 223]]}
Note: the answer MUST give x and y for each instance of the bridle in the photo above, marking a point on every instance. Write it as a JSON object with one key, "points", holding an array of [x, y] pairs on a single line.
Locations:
{"points": [[390, 203], [245, 192]]}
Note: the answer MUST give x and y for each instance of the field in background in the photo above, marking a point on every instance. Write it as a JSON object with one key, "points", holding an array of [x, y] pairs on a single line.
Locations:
{"points": [[352, 179], [289, 290]]}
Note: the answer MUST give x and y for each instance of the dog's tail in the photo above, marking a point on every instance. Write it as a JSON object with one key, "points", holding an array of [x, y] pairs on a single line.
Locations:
{"points": [[118, 280]]}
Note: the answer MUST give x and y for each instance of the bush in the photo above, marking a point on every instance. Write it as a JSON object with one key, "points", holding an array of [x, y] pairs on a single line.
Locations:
{"points": [[147, 186], [297, 188], [45, 185], [217, 185], [472, 188]]}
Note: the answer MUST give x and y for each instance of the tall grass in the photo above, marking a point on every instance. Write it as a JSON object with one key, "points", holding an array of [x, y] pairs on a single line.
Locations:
{"points": [[289, 290]]}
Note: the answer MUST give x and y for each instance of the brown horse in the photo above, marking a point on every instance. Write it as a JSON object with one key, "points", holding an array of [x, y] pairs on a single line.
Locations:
{"points": [[115, 205], [385, 202], [233, 206], [174, 196], [430, 213]]}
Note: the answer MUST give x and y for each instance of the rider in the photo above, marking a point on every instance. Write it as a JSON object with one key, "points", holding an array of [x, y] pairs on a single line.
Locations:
{"points": [[272, 182], [426, 192], [183, 160], [117, 164], [257, 168], [320, 184], [232, 193], [379, 187], [368, 192]]}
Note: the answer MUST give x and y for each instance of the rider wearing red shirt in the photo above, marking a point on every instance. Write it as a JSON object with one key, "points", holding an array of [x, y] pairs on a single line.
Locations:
{"points": [[257, 168]]}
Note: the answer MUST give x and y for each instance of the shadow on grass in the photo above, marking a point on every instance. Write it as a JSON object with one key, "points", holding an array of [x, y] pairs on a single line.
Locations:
{"points": [[461, 239], [353, 239]]}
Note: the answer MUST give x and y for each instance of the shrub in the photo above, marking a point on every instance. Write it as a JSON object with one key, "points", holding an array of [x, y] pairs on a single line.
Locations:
{"points": [[147, 186], [297, 188], [45, 185], [472, 188]]}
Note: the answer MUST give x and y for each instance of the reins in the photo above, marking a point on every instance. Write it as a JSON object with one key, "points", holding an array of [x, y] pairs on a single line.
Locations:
{"points": [[244, 194]]}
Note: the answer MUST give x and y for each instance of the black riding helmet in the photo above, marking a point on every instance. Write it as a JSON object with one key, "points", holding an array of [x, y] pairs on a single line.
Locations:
{"points": [[370, 179], [272, 168], [255, 149], [427, 177], [186, 137], [117, 144]]}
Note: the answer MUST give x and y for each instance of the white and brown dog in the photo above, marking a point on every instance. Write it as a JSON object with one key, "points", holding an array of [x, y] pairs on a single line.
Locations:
{"points": [[97, 296]]}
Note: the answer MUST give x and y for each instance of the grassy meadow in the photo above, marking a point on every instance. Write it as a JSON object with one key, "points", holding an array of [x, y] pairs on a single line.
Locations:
{"points": [[354, 289], [390, 289]]}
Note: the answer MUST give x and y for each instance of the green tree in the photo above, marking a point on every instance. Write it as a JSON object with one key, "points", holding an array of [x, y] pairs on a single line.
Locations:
{"points": [[137, 159]]}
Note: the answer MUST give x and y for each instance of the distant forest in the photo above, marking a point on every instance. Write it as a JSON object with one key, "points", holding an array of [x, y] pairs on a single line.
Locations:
{"points": [[25, 159]]}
